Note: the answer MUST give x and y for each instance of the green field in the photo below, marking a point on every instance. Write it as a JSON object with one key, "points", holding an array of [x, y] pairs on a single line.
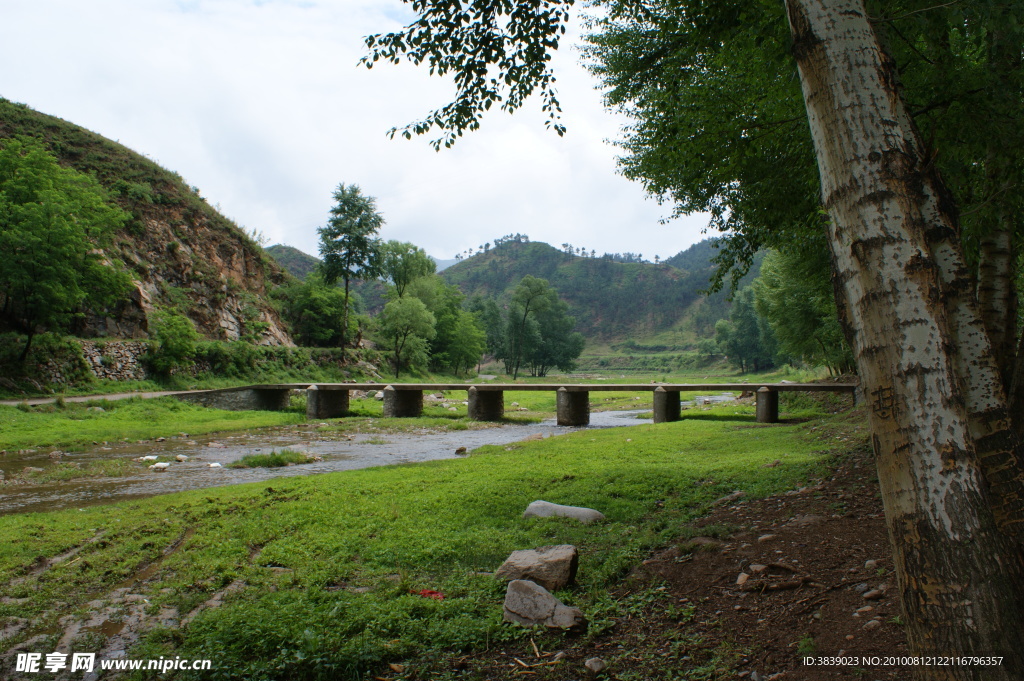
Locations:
{"points": [[321, 568]]}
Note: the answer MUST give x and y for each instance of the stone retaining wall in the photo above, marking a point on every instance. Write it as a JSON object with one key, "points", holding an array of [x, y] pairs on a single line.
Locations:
{"points": [[116, 360]]}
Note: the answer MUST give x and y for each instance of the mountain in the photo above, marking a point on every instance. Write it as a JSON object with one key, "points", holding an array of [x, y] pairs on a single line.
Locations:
{"points": [[297, 263], [443, 264], [610, 299], [180, 250]]}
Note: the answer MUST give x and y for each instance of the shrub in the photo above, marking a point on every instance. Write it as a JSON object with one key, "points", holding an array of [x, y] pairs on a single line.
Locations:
{"points": [[173, 342]]}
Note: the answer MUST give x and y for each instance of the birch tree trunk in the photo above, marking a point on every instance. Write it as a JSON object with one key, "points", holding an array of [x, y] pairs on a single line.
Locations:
{"points": [[946, 455]]}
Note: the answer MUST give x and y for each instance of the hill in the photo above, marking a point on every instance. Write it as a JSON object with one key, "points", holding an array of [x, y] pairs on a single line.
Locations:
{"points": [[180, 250], [297, 263], [610, 299]]}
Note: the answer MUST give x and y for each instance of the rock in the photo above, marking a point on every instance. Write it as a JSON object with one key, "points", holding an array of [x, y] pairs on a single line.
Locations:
{"points": [[56, 454], [742, 579], [31, 469], [181, 457], [214, 465], [452, 409], [756, 569], [160, 466], [729, 498], [460, 450], [553, 567], [530, 604], [146, 458], [871, 564], [873, 624], [96, 409], [765, 537], [545, 509], [874, 594], [595, 665], [861, 587]]}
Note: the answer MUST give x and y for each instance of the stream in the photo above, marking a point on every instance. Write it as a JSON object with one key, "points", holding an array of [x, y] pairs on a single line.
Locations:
{"points": [[338, 452]]}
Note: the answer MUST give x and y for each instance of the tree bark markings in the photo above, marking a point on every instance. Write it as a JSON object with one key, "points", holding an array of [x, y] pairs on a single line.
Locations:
{"points": [[930, 380]]}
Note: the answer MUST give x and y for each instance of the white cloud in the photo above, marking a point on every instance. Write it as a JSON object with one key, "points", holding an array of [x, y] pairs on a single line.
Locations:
{"points": [[261, 105]]}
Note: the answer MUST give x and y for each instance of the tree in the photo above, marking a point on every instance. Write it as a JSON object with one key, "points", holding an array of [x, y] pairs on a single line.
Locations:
{"points": [[406, 325], [314, 311], [557, 346], [459, 339], [402, 262], [800, 307], [746, 337], [349, 248], [52, 222], [532, 295]]}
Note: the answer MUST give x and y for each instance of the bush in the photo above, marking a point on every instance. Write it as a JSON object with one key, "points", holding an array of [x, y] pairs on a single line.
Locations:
{"points": [[51, 356], [173, 342]]}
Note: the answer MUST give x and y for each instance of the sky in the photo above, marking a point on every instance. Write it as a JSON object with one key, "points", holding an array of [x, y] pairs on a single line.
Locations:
{"points": [[262, 105]]}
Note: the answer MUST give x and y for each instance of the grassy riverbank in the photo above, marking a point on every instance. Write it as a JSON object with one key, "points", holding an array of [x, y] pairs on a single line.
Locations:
{"points": [[317, 575]]}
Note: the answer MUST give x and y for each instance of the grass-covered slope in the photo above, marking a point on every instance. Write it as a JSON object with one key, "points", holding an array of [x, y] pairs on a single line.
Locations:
{"points": [[320, 576], [181, 251]]}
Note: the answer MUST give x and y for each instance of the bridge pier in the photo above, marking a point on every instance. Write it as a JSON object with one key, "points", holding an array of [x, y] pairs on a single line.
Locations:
{"points": [[486, 405], [325, 404], [573, 408], [402, 403], [666, 405], [767, 409]]}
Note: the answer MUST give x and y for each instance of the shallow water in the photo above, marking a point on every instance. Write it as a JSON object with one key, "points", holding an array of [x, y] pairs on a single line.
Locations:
{"points": [[339, 452]]}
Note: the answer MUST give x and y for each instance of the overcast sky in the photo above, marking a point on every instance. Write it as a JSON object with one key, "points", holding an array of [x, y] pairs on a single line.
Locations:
{"points": [[261, 104]]}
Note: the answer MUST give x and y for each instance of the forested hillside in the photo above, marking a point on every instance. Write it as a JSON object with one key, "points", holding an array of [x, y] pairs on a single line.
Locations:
{"points": [[181, 253], [608, 298]]}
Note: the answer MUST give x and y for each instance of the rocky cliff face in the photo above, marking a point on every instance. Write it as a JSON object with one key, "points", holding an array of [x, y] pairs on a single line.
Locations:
{"points": [[182, 253]]}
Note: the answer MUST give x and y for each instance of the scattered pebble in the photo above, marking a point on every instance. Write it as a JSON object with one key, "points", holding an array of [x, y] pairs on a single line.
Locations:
{"points": [[595, 664]]}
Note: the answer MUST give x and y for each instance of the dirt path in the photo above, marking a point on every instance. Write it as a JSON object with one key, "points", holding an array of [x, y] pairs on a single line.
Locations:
{"points": [[86, 398]]}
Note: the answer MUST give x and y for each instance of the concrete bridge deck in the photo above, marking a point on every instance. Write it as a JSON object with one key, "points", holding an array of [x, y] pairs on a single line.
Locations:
{"points": [[487, 400]]}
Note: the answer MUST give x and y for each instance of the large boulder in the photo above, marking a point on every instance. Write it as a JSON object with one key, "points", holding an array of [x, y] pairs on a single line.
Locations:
{"points": [[532, 605], [553, 567], [545, 509]]}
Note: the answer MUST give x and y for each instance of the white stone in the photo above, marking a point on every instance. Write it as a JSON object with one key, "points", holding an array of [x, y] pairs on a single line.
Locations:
{"points": [[553, 567], [545, 509], [530, 604]]}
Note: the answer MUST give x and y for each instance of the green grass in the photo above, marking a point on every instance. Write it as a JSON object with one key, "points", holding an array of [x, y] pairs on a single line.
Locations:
{"points": [[275, 459], [397, 529], [110, 468], [75, 425]]}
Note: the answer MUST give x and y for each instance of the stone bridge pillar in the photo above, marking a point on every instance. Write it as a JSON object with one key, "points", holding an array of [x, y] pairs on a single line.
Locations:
{"points": [[767, 405], [573, 408], [666, 405], [486, 405], [270, 399], [401, 403], [325, 404]]}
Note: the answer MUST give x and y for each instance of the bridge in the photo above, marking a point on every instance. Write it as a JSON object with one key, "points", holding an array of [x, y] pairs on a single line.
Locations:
{"points": [[487, 401]]}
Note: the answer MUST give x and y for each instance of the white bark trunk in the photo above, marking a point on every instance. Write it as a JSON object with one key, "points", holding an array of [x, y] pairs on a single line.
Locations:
{"points": [[924, 358]]}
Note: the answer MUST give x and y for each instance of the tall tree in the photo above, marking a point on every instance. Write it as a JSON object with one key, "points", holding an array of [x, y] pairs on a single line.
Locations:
{"points": [[794, 294], [349, 247], [558, 346], [406, 325], [52, 219], [948, 458], [531, 297], [402, 262]]}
